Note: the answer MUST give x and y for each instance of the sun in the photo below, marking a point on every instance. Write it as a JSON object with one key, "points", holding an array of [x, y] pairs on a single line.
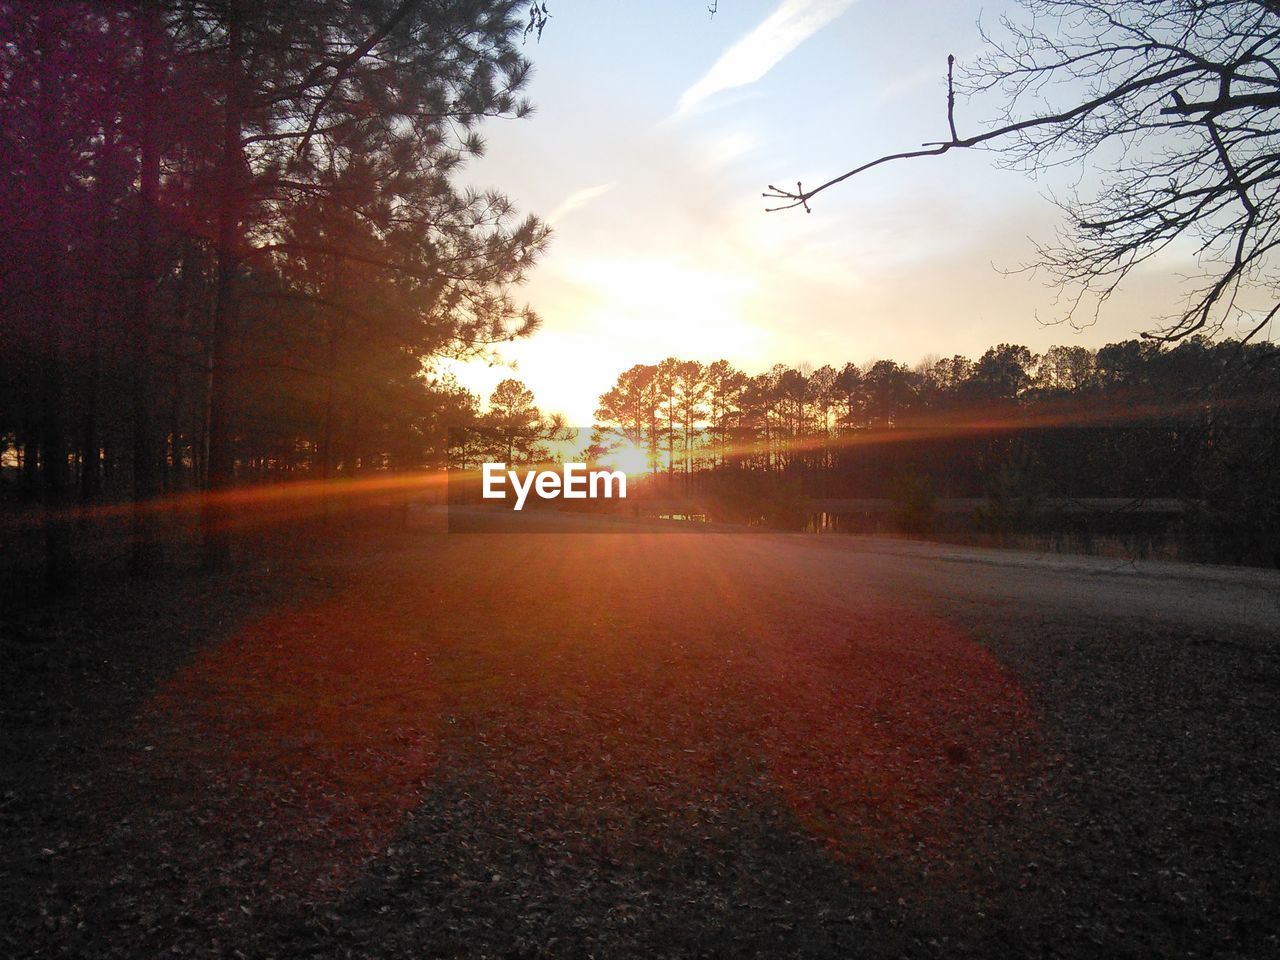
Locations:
{"points": [[627, 457]]}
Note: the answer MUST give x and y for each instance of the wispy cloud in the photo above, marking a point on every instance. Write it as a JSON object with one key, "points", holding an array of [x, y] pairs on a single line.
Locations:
{"points": [[577, 200], [760, 50]]}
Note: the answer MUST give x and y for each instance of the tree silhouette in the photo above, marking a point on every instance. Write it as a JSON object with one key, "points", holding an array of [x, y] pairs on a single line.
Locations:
{"points": [[629, 412], [233, 240], [295, 91], [515, 427], [1018, 430], [1173, 104], [724, 387], [690, 410]]}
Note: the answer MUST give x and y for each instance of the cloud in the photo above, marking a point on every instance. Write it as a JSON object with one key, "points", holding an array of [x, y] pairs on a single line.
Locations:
{"points": [[577, 200], [760, 50]]}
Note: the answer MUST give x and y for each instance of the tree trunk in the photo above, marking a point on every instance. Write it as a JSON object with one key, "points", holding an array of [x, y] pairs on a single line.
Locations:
{"points": [[146, 475], [333, 329], [54, 472], [91, 466], [220, 463]]}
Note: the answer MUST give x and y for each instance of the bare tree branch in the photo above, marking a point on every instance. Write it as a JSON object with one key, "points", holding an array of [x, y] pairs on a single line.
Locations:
{"points": [[1176, 102]]}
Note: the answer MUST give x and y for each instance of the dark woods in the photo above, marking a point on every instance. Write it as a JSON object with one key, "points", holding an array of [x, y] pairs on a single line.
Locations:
{"points": [[230, 234], [1194, 428]]}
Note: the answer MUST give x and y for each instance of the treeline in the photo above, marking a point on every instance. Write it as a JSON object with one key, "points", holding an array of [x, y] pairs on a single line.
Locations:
{"points": [[1198, 421], [231, 233]]}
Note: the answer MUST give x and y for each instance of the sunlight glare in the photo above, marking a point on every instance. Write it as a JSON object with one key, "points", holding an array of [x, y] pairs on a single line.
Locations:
{"points": [[629, 458]]}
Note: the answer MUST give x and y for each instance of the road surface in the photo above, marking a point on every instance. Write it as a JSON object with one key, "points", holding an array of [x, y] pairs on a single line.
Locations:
{"points": [[603, 738]]}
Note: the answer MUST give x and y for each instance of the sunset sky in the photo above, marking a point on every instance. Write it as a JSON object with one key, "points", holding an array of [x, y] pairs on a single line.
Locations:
{"points": [[657, 127]]}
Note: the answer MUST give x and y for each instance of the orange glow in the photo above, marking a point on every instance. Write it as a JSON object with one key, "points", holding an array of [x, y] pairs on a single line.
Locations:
{"points": [[900, 741], [629, 458], [247, 506], [310, 733]]}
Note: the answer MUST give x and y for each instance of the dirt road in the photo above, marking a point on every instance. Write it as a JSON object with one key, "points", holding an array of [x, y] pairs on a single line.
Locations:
{"points": [[640, 743], [1176, 594]]}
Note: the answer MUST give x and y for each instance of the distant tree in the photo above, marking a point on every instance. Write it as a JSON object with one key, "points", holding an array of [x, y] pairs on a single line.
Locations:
{"points": [[1065, 369], [849, 386], [947, 374], [823, 400], [1123, 366], [447, 408], [629, 412], [724, 386], [822, 397], [666, 384], [889, 392], [794, 394], [1002, 373], [1014, 429], [1173, 106], [514, 425], [690, 409], [760, 433]]}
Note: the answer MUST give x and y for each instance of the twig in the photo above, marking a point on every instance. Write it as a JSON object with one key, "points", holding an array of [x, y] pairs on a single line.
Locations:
{"points": [[936, 148], [951, 98]]}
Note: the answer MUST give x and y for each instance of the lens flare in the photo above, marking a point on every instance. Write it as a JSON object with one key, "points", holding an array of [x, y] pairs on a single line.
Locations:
{"points": [[629, 458]]}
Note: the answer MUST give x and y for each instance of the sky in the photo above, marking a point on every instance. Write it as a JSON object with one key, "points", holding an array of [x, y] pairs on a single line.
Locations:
{"points": [[656, 129]]}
